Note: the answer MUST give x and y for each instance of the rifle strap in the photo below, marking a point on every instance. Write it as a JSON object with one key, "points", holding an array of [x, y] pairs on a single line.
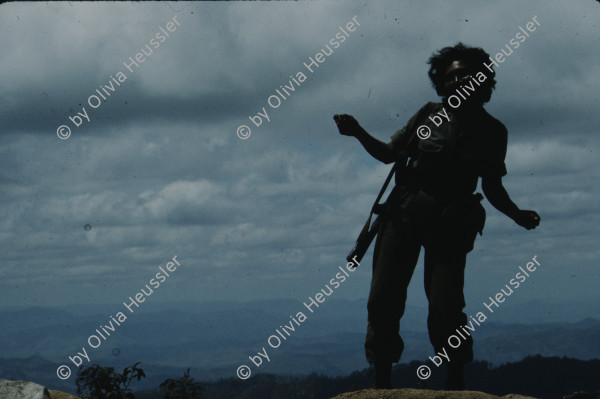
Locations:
{"points": [[367, 225], [365, 229]]}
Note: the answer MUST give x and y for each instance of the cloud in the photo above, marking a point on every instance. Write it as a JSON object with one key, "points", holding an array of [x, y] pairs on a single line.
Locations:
{"points": [[158, 170]]}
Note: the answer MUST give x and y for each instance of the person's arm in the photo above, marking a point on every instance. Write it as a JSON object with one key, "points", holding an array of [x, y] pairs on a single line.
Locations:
{"points": [[348, 126], [496, 193]]}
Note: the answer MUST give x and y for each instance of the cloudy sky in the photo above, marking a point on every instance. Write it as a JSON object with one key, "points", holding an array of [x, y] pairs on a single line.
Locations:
{"points": [[159, 170]]}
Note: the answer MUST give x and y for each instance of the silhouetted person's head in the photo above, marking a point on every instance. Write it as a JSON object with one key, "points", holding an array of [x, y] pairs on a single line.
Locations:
{"points": [[453, 66]]}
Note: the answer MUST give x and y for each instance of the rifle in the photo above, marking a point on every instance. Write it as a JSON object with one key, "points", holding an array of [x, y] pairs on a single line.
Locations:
{"points": [[369, 231], [364, 240]]}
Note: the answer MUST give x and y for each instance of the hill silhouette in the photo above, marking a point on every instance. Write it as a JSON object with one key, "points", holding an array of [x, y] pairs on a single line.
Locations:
{"points": [[535, 376], [423, 394]]}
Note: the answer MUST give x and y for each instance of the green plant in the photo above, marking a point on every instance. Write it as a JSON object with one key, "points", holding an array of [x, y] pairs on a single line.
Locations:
{"points": [[181, 388], [106, 383]]}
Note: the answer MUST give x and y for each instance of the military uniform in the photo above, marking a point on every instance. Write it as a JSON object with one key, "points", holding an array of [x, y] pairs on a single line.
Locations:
{"points": [[433, 206]]}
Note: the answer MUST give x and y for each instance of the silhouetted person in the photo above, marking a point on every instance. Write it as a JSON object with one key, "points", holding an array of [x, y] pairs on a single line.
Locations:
{"points": [[433, 206]]}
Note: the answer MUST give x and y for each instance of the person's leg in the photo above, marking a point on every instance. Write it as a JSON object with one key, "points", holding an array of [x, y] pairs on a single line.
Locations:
{"points": [[396, 254], [444, 281]]}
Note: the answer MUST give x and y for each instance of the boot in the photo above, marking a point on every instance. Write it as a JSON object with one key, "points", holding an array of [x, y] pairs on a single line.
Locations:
{"points": [[383, 375], [455, 380]]}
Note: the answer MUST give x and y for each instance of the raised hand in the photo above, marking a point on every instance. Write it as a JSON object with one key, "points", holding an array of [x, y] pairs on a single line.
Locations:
{"points": [[347, 125]]}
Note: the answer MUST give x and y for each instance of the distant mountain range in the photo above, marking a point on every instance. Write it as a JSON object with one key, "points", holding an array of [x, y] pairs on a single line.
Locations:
{"points": [[215, 338]]}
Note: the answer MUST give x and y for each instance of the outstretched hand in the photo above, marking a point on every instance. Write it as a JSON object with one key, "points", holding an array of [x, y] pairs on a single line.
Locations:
{"points": [[347, 125], [528, 219]]}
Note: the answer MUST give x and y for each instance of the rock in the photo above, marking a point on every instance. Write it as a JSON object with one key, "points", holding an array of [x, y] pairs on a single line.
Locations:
{"points": [[10, 389], [583, 395], [61, 395], [22, 390], [422, 394]]}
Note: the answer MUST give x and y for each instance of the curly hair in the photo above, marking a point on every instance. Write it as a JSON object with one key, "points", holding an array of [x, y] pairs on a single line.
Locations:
{"points": [[474, 57]]}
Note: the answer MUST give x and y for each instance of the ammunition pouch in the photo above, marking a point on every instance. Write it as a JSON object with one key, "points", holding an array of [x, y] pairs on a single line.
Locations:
{"points": [[464, 218]]}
